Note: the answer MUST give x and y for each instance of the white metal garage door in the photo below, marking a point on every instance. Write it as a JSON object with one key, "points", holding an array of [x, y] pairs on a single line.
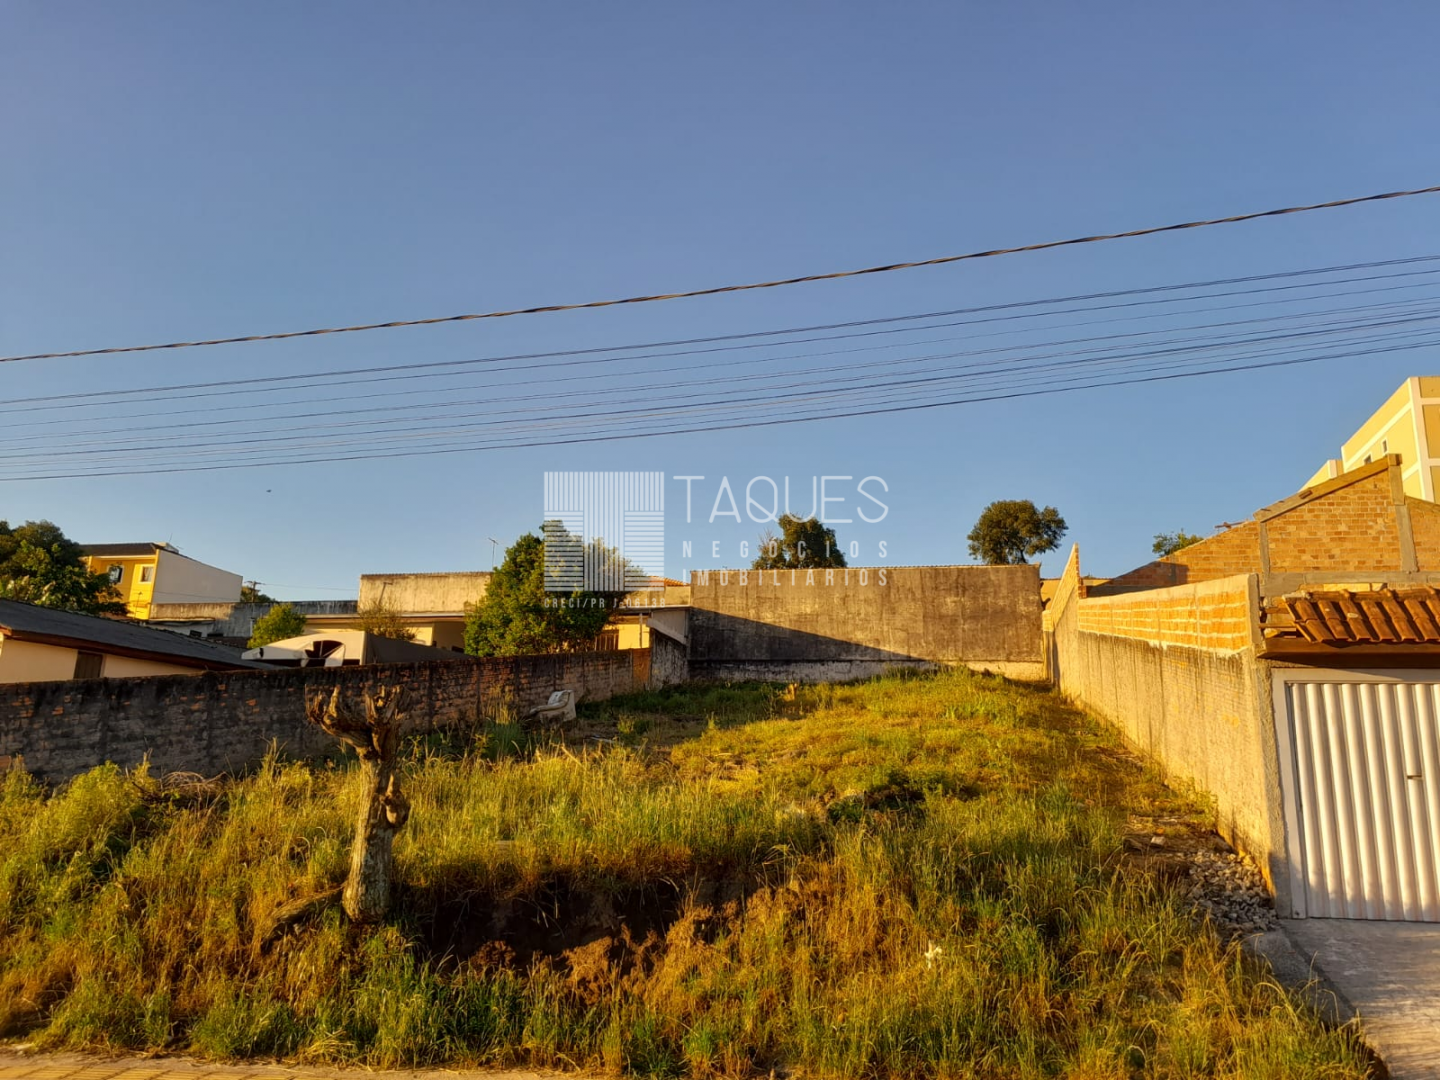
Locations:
{"points": [[1362, 794]]}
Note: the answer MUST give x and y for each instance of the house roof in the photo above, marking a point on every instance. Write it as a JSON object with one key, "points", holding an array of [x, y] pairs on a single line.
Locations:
{"points": [[1346, 617], [70, 629], [103, 550]]}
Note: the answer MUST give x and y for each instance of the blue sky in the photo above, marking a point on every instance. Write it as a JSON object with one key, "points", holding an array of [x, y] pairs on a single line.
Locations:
{"points": [[181, 170]]}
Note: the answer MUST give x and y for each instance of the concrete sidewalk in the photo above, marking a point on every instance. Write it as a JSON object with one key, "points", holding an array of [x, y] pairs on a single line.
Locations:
{"points": [[22, 1066], [1389, 974]]}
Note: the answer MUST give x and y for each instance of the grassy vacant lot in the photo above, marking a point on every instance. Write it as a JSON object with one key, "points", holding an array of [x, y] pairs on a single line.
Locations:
{"points": [[902, 878]]}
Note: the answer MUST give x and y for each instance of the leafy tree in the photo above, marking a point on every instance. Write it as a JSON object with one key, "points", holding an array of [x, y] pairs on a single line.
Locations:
{"points": [[40, 565], [52, 577], [280, 622], [41, 534], [383, 620], [1010, 531], [249, 594], [1169, 543], [803, 544], [517, 616]]}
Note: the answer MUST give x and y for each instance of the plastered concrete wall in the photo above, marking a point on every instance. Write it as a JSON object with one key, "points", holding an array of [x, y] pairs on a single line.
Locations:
{"points": [[182, 580], [424, 593], [1203, 714], [804, 626], [223, 721], [24, 660]]}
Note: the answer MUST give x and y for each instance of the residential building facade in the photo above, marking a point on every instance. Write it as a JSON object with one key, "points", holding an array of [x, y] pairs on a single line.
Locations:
{"points": [[148, 574], [45, 645], [1408, 424]]}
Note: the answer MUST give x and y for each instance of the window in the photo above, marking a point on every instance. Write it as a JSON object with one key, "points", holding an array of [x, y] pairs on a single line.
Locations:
{"points": [[116, 572], [88, 665], [147, 573], [1384, 446], [1367, 459]]}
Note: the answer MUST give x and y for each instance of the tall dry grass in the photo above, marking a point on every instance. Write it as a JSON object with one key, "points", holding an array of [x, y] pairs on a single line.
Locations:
{"points": [[906, 877]]}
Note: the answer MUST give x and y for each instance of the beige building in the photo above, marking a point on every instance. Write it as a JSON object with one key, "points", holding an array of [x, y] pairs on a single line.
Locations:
{"points": [[432, 605], [1408, 424], [44, 645]]}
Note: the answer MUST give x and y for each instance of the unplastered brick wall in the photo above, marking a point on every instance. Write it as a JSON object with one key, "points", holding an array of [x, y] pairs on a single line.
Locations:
{"points": [[224, 721], [1360, 523], [1210, 615], [1353, 528], [1425, 528], [1234, 551], [1066, 591]]}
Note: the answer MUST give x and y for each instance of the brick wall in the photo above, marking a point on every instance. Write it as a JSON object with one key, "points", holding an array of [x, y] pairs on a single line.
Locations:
{"points": [[1354, 528], [1358, 523], [223, 721], [1425, 528], [1234, 551], [1210, 615]]}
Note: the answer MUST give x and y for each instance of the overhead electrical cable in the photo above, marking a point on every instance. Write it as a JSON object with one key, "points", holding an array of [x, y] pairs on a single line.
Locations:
{"points": [[578, 357], [772, 284]]}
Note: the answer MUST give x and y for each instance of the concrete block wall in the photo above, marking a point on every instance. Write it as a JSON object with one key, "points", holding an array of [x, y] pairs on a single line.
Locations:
{"points": [[1175, 671], [825, 625], [224, 721]]}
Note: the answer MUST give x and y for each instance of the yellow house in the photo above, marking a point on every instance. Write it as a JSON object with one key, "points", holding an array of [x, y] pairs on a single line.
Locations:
{"points": [[147, 574], [1407, 424]]}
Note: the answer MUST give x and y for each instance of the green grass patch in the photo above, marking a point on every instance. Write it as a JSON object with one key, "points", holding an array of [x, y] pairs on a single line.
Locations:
{"points": [[908, 877]]}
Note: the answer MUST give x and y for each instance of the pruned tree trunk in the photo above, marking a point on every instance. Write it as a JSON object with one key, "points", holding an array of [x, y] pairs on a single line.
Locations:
{"points": [[384, 811]]}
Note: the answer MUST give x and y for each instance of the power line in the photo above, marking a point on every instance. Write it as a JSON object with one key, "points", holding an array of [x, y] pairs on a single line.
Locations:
{"points": [[887, 389], [715, 390], [742, 424], [578, 357], [717, 290]]}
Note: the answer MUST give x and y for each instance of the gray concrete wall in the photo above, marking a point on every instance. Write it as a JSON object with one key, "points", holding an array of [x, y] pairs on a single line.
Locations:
{"points": [[224, 721], [669, 659], [825, 625]]}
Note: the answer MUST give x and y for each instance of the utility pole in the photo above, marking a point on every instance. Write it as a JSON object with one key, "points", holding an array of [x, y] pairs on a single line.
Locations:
{"points": [[493, 544]]}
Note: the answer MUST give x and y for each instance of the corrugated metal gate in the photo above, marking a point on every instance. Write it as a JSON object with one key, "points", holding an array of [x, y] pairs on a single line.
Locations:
{"points": [[1361, 780]]}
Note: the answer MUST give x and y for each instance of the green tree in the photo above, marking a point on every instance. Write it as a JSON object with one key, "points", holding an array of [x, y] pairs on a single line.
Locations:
{"points": [[1011, 531], [517, 615], [48, 578], [280, 622], [803, 544], [41, 534], [40, 565], [383, 620], [251, 594], [1169, 543]]}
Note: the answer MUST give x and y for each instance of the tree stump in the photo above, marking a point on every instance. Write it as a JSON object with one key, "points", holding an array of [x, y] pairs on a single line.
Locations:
{"points": [[375, 738]]}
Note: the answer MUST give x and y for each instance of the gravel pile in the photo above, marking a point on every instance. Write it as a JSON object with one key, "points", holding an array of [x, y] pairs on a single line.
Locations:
{"points": [[1229, 889]]}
